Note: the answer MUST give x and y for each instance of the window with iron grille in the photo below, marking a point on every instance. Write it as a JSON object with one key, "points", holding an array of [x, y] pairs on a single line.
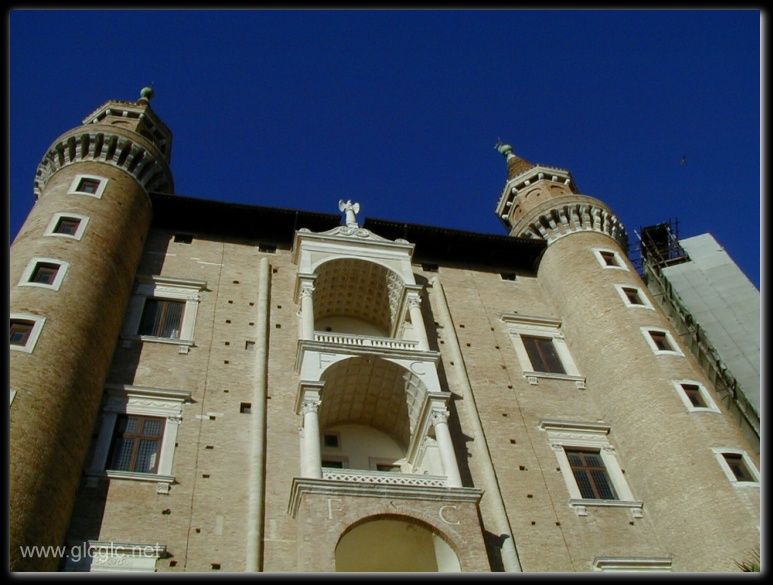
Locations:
{"points": [[136, 443], [542, 354], [162, 318], [591, 474]]}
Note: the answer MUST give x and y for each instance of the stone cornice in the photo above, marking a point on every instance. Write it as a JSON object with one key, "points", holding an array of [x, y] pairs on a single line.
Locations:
{"points": [[329, 487], [109, 145]]}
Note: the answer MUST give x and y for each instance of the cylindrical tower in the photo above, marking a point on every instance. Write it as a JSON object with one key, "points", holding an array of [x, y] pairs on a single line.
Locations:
{"points": [[669, 455], [72, 267]]}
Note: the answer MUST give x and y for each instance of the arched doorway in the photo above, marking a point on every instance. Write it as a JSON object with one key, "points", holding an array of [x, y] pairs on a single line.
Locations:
{"points": [[394, 544]]}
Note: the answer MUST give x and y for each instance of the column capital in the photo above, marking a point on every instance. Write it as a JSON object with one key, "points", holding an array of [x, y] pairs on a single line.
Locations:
{"points": [[414, 300], [309, 395], [439, 415], [310, 404]]}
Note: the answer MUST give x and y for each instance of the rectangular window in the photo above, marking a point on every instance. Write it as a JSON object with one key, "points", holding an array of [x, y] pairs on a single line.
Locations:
{"points": [[67, 226], [332, 463], [660, 340], [90, 186], [388, 467], [20, 332], [693, 393], [542, 354], [162, 318], [44, 273], [331, 440], [738, 466], [632, 294], [609, 258], [591, 474], [136, 443]]}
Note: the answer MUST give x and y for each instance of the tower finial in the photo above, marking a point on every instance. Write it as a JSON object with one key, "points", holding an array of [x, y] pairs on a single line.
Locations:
{"points": [[504, 149], [146, 93]]}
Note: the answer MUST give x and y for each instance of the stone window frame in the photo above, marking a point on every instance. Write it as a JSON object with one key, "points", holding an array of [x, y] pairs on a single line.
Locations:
{"points": [[37, 328], [125, 399], [84, 220], [593, 435], [632, 564], [164, 288], [646, 330], [621, 265], [97, 556], [518, 325], [719, 453], [26, 275], [103, 181], [711, 405], [646, 303]]}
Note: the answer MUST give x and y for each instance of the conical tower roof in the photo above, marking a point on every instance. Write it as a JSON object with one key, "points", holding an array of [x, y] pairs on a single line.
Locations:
{"points": [[515, 164]]}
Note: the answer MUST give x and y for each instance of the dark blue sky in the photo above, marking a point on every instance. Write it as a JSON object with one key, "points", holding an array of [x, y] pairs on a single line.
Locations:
{"points": [[400, 110]]}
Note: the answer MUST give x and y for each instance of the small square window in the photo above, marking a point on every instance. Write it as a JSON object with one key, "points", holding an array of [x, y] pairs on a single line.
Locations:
{"points": [[332, 440], [136, 443], [738, 466], [694, 395], [20, 332], [609, 258], [67, 225], [632, 294], [162, 318], [90, 186], [660, 339], [44, 273]]}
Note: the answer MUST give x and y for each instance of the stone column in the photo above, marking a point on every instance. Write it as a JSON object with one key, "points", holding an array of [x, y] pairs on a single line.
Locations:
{"points": [[414, 307], [307, 310], [311, 455], [446, 446]]}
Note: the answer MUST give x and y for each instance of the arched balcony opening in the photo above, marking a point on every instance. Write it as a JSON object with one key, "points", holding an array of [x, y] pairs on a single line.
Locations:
{"points": [[353, 296], [393, 543], [370, 417]]}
